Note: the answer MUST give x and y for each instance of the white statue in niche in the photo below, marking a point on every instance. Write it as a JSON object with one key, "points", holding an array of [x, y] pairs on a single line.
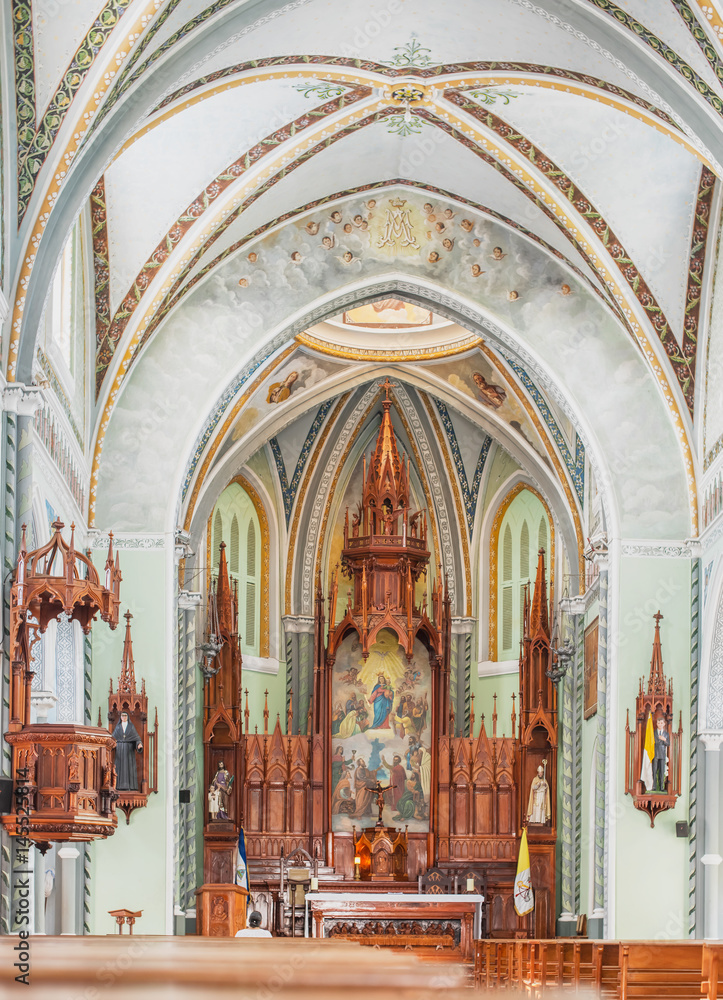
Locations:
{"points": [[538, 806]]}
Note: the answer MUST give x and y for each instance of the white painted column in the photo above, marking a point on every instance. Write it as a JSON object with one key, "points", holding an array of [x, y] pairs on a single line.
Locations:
{"points": [[39, 886], [68, 889], [711, 859]]}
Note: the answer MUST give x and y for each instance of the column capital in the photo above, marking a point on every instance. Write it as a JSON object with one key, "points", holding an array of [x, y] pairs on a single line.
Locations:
{"points": [[68, 853], [298, 623], [188, 600], [711, 739], [21, 399], [463, 626]]}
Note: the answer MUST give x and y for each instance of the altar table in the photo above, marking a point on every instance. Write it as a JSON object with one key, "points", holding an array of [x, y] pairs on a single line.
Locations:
{"points": [[465, 909]]}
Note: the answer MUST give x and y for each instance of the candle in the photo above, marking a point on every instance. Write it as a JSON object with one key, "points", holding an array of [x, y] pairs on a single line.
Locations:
{"points": [[314, 883], [357, 860], [470, 885]]}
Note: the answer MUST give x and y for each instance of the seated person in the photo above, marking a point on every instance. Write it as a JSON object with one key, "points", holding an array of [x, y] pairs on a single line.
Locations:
{"points": [[253, 927]]}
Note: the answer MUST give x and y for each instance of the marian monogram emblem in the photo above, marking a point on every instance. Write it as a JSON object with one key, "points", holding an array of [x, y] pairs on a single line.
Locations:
{"points": [[393, 228]]}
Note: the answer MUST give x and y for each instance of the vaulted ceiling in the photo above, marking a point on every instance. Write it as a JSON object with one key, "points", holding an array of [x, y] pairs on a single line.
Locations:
{"points": [[205, 141]]}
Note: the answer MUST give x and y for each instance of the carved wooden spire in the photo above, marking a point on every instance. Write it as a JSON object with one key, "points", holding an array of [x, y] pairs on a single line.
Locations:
{"points": [[127, 680], [539, 617], [224, 598], [656, 681], [386, 479]]}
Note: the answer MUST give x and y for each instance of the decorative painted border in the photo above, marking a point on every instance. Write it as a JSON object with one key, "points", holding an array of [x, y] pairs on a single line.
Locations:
{"points": [[469, 495], [682, 359], [661, 550], [101, 267], [197, 208], [657, 45], [24, 53], [712, 17], [494, 546], [289, 489], [100, 540], [700, 36], [34, 146], [575, 466]]}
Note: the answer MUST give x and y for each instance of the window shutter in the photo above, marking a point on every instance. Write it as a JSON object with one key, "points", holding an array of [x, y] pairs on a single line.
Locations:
{"points": [[507, 618], [251, 550], [542, 533], [524, 551], [235, 545], [250, 637], [507, 555], [217, 539]]}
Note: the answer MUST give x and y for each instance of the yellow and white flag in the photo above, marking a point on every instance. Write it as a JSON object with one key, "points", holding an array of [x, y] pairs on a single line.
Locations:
{"points": [[524, 897], [646, 770]]}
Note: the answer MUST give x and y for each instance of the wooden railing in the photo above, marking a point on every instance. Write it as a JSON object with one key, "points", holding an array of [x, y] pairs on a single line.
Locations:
{"points": [[634, 970]]}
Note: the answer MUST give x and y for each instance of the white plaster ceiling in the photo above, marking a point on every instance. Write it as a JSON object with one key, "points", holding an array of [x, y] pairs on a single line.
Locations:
{"points": [[643, 182]]}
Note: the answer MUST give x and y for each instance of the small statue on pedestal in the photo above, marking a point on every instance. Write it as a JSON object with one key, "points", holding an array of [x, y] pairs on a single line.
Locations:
{"points": [[538, 807], [219, 793]]}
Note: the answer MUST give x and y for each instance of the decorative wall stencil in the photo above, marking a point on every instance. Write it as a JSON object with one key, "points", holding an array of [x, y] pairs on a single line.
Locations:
{"points": [[491, 95], [289, 489], [469, 493], [411, 55], [325, 91], [196, 209], [406, 124], [700, 36], [35, 144]]}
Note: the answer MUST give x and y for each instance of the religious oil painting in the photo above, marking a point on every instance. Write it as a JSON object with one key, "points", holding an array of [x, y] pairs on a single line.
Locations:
{"points": [[381, 726], [388, 314]]}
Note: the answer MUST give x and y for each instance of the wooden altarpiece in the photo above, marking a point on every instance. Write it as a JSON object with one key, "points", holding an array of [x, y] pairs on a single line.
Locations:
{"points": [[480, 779], [127, 698], [655, 702]]}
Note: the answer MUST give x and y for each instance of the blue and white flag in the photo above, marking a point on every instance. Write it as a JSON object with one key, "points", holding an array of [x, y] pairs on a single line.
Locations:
{"points": [[242, 872]]}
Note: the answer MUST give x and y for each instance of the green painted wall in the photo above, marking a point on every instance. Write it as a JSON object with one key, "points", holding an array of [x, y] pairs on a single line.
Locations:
{"points": [[483, 688], [502, 467], [256, 683], [129, 869], [652, 864]]}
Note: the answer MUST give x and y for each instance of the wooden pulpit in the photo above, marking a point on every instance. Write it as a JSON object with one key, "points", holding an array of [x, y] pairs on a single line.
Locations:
{"points": [[220, 909]]}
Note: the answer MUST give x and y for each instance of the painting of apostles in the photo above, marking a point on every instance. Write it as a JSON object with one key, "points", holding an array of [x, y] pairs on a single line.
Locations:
{"points": [[380, 726]]}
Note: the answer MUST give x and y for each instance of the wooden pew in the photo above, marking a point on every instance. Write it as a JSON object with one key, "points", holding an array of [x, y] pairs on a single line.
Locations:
{"points": [[712, 972], [652, 970], [199, 968], [554, 964]]}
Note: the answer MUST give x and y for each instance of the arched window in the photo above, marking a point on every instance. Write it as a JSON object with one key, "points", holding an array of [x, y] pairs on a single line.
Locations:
{"points": [[517, 565], [217, 539], [235, 519], [542, 534], [234, 547]]}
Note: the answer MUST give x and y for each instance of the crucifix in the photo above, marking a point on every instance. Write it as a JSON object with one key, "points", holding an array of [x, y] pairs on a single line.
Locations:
{"points": [[380, 790], [386, 385]]}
